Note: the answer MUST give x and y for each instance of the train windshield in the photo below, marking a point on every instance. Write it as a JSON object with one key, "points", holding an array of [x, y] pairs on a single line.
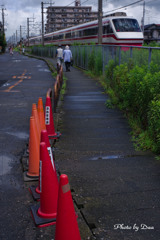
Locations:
{"points": [[126, 25]]}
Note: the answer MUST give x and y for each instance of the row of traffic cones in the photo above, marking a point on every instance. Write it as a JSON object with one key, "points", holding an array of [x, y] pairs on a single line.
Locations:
{"points": [[55, 204], [39, 121]]}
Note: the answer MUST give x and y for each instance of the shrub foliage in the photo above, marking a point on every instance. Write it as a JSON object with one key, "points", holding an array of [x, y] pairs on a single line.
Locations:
{"points": [[138, 92]]}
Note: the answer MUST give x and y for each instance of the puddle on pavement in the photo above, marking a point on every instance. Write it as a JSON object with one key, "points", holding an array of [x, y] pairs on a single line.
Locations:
{"points": [[43, 70], [5, 165], [16, 60], [86, 98], [106, 157], [20, 135], [5, 85], [90, 93], [110, 157]]}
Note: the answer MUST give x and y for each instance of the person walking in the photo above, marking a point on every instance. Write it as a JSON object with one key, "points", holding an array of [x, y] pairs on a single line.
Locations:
{"points": [[59, 56], [11, 50], [67, 55], [23, 49]]}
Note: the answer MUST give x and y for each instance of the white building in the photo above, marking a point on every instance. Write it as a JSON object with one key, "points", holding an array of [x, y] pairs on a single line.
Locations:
{"points": [[59, 17]]}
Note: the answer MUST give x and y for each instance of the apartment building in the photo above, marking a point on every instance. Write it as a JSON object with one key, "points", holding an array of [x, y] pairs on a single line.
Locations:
{"points": [[59, 17]]}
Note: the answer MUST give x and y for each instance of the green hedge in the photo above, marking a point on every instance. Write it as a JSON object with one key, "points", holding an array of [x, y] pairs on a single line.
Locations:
{"points": [[95, 62], [137, 90], [3, 43]]}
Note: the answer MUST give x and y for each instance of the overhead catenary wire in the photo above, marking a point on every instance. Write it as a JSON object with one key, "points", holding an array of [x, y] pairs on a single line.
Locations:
{"points": [[125, 6]]}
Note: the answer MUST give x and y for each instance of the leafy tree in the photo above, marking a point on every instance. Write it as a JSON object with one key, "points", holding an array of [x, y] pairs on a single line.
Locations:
{"points": [[3, 42]]}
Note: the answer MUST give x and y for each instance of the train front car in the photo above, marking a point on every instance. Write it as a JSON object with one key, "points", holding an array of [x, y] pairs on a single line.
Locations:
{"points": [[123, 31]]}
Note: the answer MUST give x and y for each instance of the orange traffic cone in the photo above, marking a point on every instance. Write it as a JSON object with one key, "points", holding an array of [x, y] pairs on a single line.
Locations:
{"points": [[66, 224], [35, 190], [33, 169], [45, 214], [49, 120], [35, 114], [41, 114]]}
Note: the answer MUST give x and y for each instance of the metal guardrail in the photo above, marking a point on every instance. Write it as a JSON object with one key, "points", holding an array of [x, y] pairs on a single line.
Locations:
{"points": [[83, 54]]}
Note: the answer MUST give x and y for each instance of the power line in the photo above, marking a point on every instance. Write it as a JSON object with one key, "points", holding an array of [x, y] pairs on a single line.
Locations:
{"points": [[125, 6], [70, 3], [151, 1]]}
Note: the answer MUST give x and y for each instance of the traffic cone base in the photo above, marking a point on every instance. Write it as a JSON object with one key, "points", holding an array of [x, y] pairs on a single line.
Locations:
{"points": [[44, 215], [28, 178], [41, 222], [35, 195], [37, 190], [55, 136], [32, 175]]}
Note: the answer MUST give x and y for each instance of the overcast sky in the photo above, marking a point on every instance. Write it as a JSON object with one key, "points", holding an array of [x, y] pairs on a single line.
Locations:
{"points": [[18, 11]]}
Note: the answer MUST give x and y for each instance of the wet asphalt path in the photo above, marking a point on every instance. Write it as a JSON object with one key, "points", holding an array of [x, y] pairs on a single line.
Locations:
{"points": [[22, 81]]}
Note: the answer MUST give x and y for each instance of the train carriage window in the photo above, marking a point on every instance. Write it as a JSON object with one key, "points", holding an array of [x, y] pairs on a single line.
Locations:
{"points": [[90, 32], [81, 33], [68, 35], [47, 39], [107, 29], [76, 34], [73, 34], [61, 36], [126, 25], [55, 37]]}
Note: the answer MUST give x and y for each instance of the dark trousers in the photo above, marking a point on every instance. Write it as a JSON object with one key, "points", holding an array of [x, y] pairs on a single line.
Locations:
{"points": [[67, 64]]}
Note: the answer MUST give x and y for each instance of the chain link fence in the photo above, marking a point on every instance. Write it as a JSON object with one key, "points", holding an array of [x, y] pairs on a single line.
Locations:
{"points": [[97, 56]]}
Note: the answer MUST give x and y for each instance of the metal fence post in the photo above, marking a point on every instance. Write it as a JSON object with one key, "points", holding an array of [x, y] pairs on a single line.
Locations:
{"points": [[113, 53], [103, 59], [150, 56], [119, 55], [131, 52]]}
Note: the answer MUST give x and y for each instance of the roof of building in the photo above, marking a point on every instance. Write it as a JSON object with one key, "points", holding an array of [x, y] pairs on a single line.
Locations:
{"points": [[152, 26]]}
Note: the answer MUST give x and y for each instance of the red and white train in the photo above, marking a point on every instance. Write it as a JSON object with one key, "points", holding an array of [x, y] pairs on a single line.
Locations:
{"points": [[119, 30]]}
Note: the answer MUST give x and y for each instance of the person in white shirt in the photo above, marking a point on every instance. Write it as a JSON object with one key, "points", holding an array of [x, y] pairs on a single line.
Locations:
{"points": [[59, 55], [67, 55]]}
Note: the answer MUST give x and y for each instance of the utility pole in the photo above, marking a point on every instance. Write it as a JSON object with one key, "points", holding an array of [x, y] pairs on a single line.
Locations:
{"points": [[28, 30], [143, 17], [21, 28], [28, 21], [20, 32], [42, 12], [100, 15], [16, 37], [3, 21], [42, 24]]}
